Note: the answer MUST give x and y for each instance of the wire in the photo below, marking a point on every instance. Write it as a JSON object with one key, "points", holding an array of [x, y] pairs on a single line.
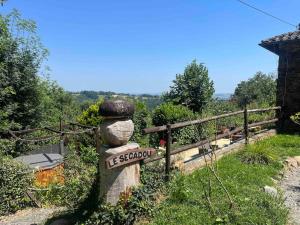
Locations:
{"points": [[267, 14]]}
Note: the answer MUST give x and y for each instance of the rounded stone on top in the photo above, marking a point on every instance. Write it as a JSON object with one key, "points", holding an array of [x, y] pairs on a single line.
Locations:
{"points": [[116, 109]]}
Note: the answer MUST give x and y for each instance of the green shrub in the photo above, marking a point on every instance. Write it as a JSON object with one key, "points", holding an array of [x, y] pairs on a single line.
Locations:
{"points": [[179, 190], [91, 115], [219, 107], [258, 154], [7, 147], [141, 120], [296, 118], [14, 182], [170, 113]]}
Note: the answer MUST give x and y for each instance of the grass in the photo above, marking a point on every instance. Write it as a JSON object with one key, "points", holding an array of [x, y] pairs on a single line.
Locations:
{"points": [[186, 203]]}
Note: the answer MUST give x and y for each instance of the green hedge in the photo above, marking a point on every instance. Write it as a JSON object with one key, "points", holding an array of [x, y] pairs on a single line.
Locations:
{"points": [[14, 183]]}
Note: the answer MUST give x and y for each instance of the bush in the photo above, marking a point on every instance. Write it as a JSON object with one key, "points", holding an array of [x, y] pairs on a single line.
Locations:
{"points": [[296, 118], [141, 120], [15, 179], [218, 107], [7, 147], [91, 115], [257, 154], [179, 190], [169, 113]]}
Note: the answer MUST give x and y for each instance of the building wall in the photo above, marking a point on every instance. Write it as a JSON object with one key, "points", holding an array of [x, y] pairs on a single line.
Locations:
{"points": [[288, 89]]}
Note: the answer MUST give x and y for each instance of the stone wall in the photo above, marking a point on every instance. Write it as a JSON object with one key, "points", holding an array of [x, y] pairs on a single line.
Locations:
{"points": [[288, 89]]}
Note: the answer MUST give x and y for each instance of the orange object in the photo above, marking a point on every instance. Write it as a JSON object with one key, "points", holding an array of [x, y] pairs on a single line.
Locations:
{"points": [[43, 178]]}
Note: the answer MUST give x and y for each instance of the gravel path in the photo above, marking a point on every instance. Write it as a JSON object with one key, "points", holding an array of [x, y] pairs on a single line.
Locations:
{"points": [[291, 187], [32, 216]]}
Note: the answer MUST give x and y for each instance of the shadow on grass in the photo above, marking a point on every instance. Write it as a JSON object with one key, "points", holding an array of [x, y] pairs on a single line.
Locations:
{"points": [[83, 211]]}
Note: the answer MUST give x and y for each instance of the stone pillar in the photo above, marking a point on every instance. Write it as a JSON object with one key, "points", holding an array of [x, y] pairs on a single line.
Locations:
{"points": [[115, 132]]}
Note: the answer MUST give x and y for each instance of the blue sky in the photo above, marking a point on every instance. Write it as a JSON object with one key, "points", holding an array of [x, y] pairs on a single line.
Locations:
{"points": [[139, 46]]}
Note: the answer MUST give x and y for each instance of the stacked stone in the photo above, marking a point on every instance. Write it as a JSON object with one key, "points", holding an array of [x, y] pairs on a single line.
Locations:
{"points": [[288, 88], [116, 131], [287, 46]]}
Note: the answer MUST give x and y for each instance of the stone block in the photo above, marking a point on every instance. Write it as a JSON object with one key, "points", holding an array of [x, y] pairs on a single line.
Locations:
{"points": [[290, 163], [297, 158], [271, 191], [117, 133], [114, 182]]}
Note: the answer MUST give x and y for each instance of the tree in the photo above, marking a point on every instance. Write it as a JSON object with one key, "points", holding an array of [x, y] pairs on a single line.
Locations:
{"points": [[55, 103], [193, 88], [2, 2], [141, 119], [21, 55], [260, 89]]}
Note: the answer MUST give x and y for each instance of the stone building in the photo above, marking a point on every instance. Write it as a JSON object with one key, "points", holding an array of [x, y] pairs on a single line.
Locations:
{"points": [[287, 47]]}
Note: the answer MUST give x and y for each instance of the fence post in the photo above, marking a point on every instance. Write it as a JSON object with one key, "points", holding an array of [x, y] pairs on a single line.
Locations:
{"points": [[246, 128], [97, 139], [60, 124], [168, 152], [62, 145]]}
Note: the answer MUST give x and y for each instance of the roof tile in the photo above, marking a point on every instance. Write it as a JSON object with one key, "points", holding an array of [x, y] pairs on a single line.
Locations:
{"points": [[290, 36]]}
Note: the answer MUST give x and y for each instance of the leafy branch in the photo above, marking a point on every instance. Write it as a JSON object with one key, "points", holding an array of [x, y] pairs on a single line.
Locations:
{"points": [[296, 118]]}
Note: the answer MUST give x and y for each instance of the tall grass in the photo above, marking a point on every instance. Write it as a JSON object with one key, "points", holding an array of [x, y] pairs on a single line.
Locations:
{"points": [[244, 174]]}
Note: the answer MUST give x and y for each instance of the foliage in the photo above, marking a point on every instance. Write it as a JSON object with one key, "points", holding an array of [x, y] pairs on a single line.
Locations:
{"points": [[91, 115], [79, 173], [296, 118], [12, 147], [244, 182], [55, 103], [141, 120], [15, 179], [7, 147], [218, 107], [21, 55], [2, 2], [179, 191], [27, 99], [139, 203], [261, 88], [193, 88], [258, 154], [170, 113]]}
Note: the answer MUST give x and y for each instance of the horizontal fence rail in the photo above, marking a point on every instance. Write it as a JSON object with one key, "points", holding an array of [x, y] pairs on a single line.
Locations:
{"points": [[169, 127], [59, 131], [263, 110], [200, 121]]}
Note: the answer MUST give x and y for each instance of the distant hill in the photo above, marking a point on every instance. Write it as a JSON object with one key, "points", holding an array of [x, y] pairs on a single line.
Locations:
{"points": [[91, 96], [223, 96], [150, 100]]}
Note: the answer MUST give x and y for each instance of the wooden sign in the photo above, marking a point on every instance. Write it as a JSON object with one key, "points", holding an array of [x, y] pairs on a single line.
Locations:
{"points": [[128, 156]]}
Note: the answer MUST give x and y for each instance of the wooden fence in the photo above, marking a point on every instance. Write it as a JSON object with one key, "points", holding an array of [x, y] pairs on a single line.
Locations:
{"points": [[168, 128], [62, 132], [69, 129]]}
